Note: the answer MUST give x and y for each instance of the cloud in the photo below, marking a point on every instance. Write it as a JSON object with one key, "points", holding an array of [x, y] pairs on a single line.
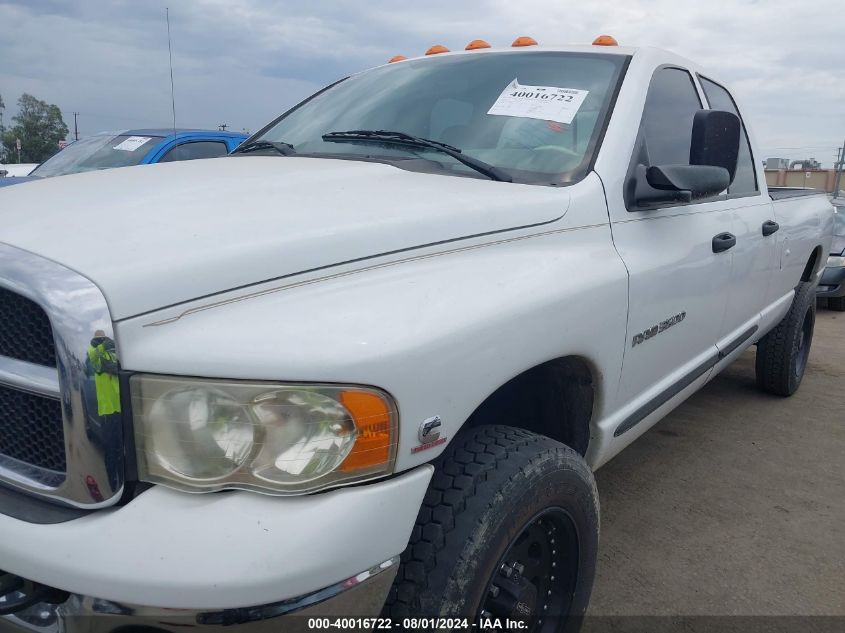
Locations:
{"points": [[244, 61]]}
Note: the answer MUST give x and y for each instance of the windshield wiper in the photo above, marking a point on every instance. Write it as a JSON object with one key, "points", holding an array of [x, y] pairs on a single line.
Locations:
{"points": [[401, 138], [285, 149]]}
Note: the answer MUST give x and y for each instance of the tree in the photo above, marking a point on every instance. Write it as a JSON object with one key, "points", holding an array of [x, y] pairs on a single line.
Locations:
{"points": [[39, 126]]}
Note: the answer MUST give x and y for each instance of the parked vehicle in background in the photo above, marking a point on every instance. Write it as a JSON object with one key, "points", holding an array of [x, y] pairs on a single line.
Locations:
{"points": [[14, 180], [16, 169], [832, 284], [135, 147], [401, 325]]}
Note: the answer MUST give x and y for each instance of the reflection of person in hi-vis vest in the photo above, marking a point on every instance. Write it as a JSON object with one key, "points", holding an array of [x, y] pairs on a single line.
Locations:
{"points": [[103, 358]]}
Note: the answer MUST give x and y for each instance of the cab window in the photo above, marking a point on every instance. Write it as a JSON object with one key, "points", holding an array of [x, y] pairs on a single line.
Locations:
{"points": [[670, 107], [666, 125], [195, 150], [745, 180]]}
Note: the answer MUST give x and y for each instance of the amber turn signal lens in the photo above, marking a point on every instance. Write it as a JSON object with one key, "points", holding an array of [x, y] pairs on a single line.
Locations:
{"points": [[605, 40], [524, 40], [476, 44], [437, 48], [371, 414], [396, 58]]}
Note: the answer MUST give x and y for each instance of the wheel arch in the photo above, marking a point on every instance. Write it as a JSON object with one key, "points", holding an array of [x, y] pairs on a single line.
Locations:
{"points": [[812, 266], [556, 398]]}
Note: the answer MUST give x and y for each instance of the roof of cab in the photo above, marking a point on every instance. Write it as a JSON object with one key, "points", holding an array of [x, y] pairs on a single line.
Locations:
{"points": [[181, 131], [573, 48], [631, 51], [166, 131], [646, 54]]}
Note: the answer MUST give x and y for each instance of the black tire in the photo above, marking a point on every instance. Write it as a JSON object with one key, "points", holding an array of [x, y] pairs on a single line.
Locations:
{"points": [[495, 487], [836, 303], [782, 354]]}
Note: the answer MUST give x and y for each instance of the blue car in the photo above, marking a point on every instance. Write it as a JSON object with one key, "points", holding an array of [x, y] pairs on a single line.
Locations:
{"points": [[133, 147]]}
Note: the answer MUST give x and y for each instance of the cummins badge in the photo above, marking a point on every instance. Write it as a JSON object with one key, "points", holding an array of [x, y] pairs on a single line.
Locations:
{"points": [[429, 434]]}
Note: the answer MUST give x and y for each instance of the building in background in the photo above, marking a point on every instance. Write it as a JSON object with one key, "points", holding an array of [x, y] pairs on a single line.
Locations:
{"points": [[776, 163], [804, 173]]}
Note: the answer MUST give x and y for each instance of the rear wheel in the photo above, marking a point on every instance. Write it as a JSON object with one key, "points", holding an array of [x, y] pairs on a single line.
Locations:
{"points": [[782, 354], [508, 529]]}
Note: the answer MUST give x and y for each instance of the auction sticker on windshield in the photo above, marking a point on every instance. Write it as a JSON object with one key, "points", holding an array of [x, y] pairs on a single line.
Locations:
{"points": [[547, 103], [132, 143]]}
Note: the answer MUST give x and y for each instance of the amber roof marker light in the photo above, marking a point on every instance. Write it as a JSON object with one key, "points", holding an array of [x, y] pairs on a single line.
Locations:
{"points": [[605, 40], [476, 44], [437, 49], [396, 58], [524, 40]]}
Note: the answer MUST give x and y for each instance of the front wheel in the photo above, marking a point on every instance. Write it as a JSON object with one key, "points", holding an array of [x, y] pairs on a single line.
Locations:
{"points": [[782, 354], [508, 529]]}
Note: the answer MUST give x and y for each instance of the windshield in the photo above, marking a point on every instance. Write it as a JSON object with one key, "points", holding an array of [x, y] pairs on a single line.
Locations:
{"points": [[535, 115], [101, 151]]}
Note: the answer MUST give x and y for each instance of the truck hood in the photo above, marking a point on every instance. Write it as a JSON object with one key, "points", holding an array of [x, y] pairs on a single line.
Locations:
{"points": [[158, 235]]}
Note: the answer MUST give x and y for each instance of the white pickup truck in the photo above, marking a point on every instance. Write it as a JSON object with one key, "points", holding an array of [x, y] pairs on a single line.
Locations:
{"points": [[399, 328]]}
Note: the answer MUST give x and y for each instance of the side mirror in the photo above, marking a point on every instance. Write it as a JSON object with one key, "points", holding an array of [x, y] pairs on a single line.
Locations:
{"points": [[678, 183], [714, 147], [715, 140], [700, 181]]}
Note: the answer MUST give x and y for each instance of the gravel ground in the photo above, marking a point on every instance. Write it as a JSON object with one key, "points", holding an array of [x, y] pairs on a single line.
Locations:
{"points": [[733, 504]]}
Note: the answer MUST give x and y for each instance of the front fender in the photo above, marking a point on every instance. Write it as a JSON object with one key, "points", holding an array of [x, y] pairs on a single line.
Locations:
{"points": [[439, 331]]}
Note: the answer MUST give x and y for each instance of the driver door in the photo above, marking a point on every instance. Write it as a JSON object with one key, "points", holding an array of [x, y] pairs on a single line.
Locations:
{"points": [[678, 285]]}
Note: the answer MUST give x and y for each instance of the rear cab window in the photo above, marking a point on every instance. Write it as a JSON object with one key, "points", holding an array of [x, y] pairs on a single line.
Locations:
{"points": [[745, 180]]}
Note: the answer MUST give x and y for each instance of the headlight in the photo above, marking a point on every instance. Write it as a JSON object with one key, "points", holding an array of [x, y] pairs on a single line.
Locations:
{"points": [[202, 435], [835, 261]]}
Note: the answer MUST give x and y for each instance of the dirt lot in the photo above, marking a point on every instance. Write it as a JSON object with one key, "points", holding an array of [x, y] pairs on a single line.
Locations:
{"points": [[735, 503]]}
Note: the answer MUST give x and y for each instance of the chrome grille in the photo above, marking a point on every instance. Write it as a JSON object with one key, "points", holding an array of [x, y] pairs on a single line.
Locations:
{"points": [[31, 429], [61, 435], [25, 331]]}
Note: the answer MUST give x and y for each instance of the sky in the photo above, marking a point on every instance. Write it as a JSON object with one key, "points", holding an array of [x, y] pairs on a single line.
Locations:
{"points": [[243, 62]]}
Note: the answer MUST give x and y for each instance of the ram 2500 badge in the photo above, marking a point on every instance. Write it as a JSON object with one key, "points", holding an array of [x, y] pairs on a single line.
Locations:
{"points": [[401, 326]]}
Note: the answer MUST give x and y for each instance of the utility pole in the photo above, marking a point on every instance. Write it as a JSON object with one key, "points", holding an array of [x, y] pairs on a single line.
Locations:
{"points": [[75, 127], [222, 127], [840, 164]]}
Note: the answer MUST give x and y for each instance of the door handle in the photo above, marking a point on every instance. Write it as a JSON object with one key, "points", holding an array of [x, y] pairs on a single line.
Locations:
{"points": [[723, 242], [769, 227]]}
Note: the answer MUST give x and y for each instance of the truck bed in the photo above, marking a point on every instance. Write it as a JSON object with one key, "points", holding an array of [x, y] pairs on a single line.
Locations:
{"points": [[779, 193]]}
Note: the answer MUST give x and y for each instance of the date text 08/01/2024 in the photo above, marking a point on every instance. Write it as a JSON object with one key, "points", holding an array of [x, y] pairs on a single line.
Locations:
{"points": [[415, 623]]}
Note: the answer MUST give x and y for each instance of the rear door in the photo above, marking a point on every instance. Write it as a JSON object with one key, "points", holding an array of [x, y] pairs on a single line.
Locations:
{"points": [[679, 286], [756, 230]]}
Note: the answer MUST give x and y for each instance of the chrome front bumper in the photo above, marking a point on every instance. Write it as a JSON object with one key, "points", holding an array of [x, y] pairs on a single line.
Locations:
{"points": [[360, 596]]}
